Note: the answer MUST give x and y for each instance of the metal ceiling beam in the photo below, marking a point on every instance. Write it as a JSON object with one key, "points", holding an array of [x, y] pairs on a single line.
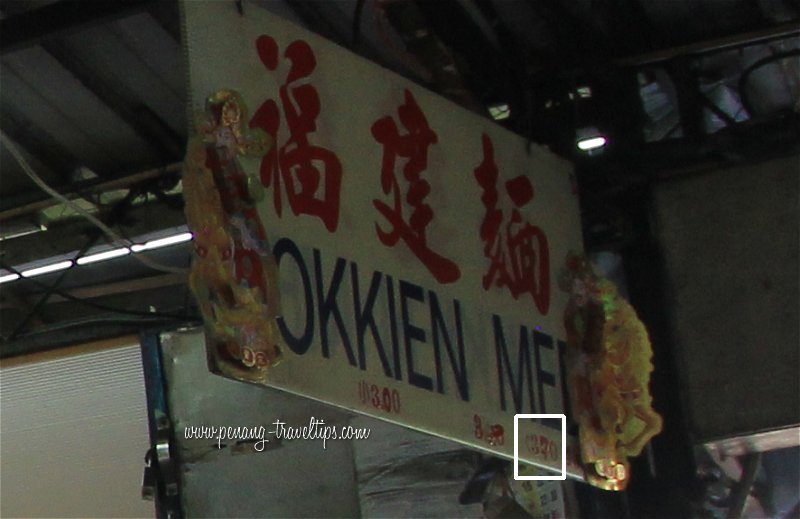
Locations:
{"points": [[31, 27], [734, 41], [66, 236], [81, 333], [109, 289], [12, 207]]}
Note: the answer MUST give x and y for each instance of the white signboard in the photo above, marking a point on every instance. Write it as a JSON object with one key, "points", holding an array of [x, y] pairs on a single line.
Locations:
{"points": [[418, 244]]}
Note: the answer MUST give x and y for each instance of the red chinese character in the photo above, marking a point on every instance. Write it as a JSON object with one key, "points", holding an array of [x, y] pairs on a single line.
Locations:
{"points": [[518, 251], [413, 146], [312, 175]]}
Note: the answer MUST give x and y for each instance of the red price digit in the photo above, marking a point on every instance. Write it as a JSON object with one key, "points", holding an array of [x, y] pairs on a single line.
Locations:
{"points": [[386, 400], [383, 398], [376, 398]]}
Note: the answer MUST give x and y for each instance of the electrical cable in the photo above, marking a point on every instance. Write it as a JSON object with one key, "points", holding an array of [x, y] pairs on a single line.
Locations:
{"points": [[113, 236], [357, 21], [382, 25], [99, 306], [94, 321], [745, 76], [741, 490], [43, 299], [729, 121], [115, 214]]}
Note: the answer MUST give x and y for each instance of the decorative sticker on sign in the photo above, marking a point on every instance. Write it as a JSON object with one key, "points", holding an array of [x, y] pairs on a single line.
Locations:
{"points": [[608, 373], [233, 275]]}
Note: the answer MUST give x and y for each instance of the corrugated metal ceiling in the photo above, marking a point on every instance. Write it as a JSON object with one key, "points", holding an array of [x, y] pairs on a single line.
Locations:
{"points": [[92, 91]]}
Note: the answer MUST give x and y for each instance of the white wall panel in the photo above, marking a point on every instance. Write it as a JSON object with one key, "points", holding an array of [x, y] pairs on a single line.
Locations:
{"points": [[73, 434]]}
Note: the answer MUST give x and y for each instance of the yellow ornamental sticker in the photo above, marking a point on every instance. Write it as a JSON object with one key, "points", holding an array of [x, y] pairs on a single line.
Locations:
{"points": [[608, 373]]}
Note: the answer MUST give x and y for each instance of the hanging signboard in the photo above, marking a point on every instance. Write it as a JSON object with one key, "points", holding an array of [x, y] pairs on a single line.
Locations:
{"points": [[417, 244]]}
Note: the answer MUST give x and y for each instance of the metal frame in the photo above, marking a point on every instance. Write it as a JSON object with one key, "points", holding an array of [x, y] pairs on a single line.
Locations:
{"points": [[160, 481]]}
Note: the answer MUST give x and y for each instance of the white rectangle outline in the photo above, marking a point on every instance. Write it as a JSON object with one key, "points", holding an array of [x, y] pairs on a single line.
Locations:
{"points": [[563, 475]]}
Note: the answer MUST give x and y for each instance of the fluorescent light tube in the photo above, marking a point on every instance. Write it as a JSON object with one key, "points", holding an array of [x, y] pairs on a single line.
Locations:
{"points": [[9, 277], [100, 256], [53, 267], [163, 242]]}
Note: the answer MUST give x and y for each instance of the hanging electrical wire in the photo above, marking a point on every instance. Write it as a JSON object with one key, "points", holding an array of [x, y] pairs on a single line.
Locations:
{"points": [[744, 78], [34, 310], [357, 22], [110, 233], [94, 322]]}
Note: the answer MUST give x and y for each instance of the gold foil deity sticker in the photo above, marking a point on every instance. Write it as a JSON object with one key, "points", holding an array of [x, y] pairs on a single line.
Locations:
{"points": [[233, 274], [608, 364]]}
